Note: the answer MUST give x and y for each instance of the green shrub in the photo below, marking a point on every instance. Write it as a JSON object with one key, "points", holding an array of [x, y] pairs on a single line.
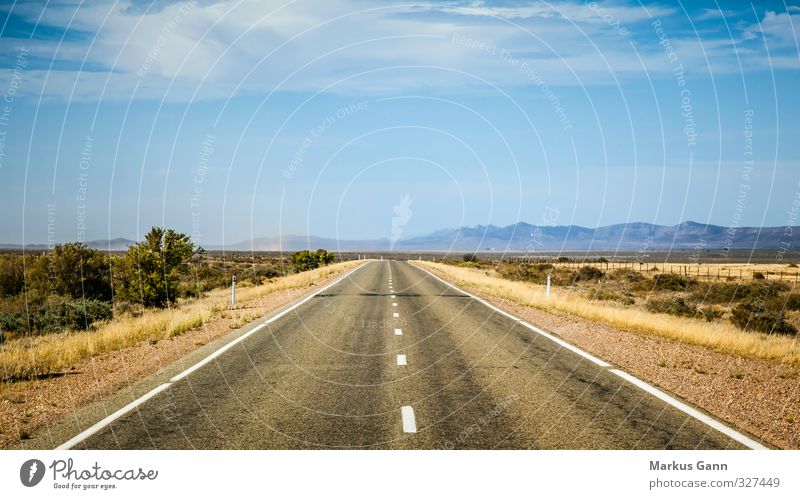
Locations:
{"points": [[732, 292], [672, 306], [57, 316], [758, 276], [758, 318], [307, 260], [793, 302], [711, 314], [587, 273], [672, 282]]}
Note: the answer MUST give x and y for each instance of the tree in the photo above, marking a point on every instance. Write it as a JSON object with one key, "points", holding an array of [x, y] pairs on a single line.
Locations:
{"points": [[306, 260], [324, 257], [80, 272], [150, 270]]}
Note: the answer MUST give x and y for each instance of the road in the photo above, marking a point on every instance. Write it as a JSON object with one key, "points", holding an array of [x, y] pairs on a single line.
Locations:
{"points": [[392, 358]]}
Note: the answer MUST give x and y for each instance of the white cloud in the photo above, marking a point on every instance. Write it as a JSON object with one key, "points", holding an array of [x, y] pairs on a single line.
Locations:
{"points": [[218, 49]]}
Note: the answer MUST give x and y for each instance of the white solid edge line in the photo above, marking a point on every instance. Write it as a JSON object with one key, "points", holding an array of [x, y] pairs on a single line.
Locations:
{"points": [[401, 360], [398, 332], [409, 421], [533, 328], [691, 411], [710, 421], [80, 437], [144, 398]]}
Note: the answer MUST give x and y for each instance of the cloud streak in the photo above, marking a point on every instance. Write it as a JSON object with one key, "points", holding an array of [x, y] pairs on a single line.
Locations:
{"points": [[212, 50]]}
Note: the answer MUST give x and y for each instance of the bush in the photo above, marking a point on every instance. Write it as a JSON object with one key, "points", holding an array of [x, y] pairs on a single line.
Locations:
{"points": [[672, 306], [589, 274], [12, 275], [79, 272], [757, 317], [306, 260], [607, 295], [672, 282], [57, 316], [731, 292], [711, 314], [793, 302], [758, 276], [470, 257]]}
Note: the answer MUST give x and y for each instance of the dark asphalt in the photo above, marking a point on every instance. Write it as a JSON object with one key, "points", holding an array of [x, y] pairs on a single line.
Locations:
{"points": [[325, 375]]}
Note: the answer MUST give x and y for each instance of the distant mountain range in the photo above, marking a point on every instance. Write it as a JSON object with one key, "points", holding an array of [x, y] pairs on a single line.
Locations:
{"points": [[525, 237], [118, 244]]}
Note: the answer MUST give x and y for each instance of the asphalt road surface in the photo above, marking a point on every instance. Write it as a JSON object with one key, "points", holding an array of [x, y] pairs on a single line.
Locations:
{"points": [[390, 357]]}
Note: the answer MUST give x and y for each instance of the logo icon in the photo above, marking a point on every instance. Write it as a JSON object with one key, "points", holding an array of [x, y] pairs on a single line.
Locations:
{"points": [[31, 472]]}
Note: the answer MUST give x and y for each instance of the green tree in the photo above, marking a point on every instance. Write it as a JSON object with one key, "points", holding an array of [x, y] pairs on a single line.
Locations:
{"points": [[12, 275], [306, 260], [324, 257], [150, 270], [78, 271]]}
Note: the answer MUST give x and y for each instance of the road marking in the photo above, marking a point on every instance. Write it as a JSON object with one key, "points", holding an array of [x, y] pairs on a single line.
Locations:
{"points": [[691, 411], [687, 409], [394, 304], [155, 391], [394, 296], [80, 437], [401, 360], [409, 421], [533, 328], [395, 314], [398, 332]]}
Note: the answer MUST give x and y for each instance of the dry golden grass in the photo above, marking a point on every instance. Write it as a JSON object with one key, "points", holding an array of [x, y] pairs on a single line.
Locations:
{"points": [[49, 354], [706, 271], [722, 337]]}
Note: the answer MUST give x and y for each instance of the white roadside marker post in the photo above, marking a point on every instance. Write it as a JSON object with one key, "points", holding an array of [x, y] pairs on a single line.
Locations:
{"points": [[233, 290], [547, 293]]}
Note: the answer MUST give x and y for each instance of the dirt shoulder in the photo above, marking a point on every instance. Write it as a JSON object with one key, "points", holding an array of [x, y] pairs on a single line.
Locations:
{"points": [[758, 396], [29, 408]]}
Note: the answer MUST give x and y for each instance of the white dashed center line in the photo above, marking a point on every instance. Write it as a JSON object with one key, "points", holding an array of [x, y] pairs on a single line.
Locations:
{"points": [[409, 421], [394, 304], [395, 314], [398, 332], [401, 360]]}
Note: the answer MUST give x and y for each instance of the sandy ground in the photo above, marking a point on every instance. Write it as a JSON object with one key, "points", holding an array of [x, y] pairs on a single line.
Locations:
{"points": [[758, 396], [27, 407]]}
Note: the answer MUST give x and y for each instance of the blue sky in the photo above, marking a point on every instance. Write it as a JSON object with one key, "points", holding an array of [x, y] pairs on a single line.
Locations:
{"points": [[238, 119]]}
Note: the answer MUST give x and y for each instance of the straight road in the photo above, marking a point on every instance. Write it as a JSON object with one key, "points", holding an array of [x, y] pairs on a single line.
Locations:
{"points": [[392, 358]]}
